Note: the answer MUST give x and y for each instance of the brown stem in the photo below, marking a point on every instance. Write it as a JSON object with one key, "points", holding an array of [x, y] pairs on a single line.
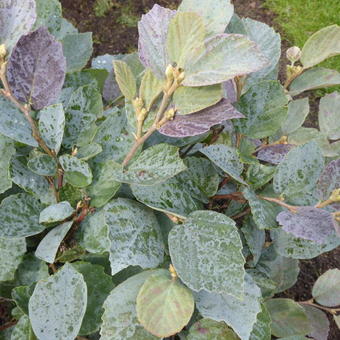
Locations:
{"points": [[8, 325], [53, 267], [292, 208], [241, 214], [311, 303]]}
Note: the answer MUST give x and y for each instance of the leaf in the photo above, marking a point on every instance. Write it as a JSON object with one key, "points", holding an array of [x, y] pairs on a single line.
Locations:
{"points": [[308, 223], [288, 318], [134, 234], [193, 99], [226, 158], [153, 166], [329, 180], [16, 20], [77, 50], [150, 89], [200, 122], [89, 151], [337, 320], [99, 286], [11, 253], [56, 212], [51, 126], [169, 299], [185, 38], [274, 154], [321, 45], [125, 79], [299, 171], [104, 186], [23, 330], [326, 289], [225, 56], [262, 329], [288, 245], [258, 174], [314, 78], [58, 305], [77, 172], [319, 322], [36, 69], [174, 197], [240, 315], [21, 296], [49, 245], [121, 306], [14, 125], [206, 253], [20, 215], [46, 11], [207, 329], [216, 14], [265, 107], [153, 30], [329, 114], [7, 150], [42, 164], [297, 112]]}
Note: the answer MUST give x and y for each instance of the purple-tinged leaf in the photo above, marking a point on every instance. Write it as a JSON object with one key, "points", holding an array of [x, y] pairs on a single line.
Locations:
{"points": [[309, 223], [230, 90], [329, 180], [318, 321], [36, 69], [153, 29], [274, 154], [200, 122], [16, 19]]}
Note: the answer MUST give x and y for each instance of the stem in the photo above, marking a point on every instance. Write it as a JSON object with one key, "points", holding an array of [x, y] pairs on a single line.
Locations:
{"points": [[8, 325], [311, 303], [241, 214], [324, 203], [292, 208]]}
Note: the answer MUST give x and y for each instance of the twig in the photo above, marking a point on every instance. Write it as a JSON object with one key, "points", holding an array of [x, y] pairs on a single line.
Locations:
{"points": [[8, 325], [311, 303], [241, 214], [292, 208]]}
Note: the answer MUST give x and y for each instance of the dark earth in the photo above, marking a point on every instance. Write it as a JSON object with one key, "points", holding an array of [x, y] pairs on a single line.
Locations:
{"points": [[116, 32]]}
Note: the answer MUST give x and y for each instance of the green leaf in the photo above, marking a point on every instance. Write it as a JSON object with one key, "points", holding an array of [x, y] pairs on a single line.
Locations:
{"points": [[49, 245], [120, 316], [329, 115], [326, 289], [169, 299], [193, 99], [321, 45], [150, 89], [42, 164], [264, 212], [14, 125], [11, 253], [104, 186], [153, 166], [226, 158], [240, 315], [319, 322], [21, 296], [19, 216], [259, 174], [207, 329], [265, 107], [7, 150], [297, 113], [56, 212], [99, 286], [216, 14], [206, 252], [58, 305], [23, 330], [262, 329], [51, 126], [77, 172], [225, 56], [288, 318], [125, 79], [89, 151], [186, 34], [299, 171], [314, 78], [77, 50], [134, 234]]}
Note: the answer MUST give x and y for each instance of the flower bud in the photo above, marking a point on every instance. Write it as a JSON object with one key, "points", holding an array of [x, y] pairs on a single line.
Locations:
{"points": [[293, 54], [169, 72], [181, 77], [170, 114], [3, 51]]}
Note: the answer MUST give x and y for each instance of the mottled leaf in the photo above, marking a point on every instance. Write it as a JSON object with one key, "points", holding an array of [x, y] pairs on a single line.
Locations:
{"points": [[319, 322], [56, 212], [7, 150], [23, 330], [329, 115], [42, 164], [321, 45], [153, 30], [326, 289], [11, 254], [58, 305], [169, 299], [200, 122], [89, 151], [262, 329], [240, 315], [274, 154], [125, 79], [329, 180], [258, 174], [20, 216], [36, 69], [202, 243]]}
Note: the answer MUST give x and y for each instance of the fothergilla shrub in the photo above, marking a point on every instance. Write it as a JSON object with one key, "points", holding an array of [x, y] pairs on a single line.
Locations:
{"points": [[167, 192]]}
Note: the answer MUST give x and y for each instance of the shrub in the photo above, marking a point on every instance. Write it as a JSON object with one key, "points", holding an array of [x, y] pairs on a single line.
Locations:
{"points": [[172, 193]]}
